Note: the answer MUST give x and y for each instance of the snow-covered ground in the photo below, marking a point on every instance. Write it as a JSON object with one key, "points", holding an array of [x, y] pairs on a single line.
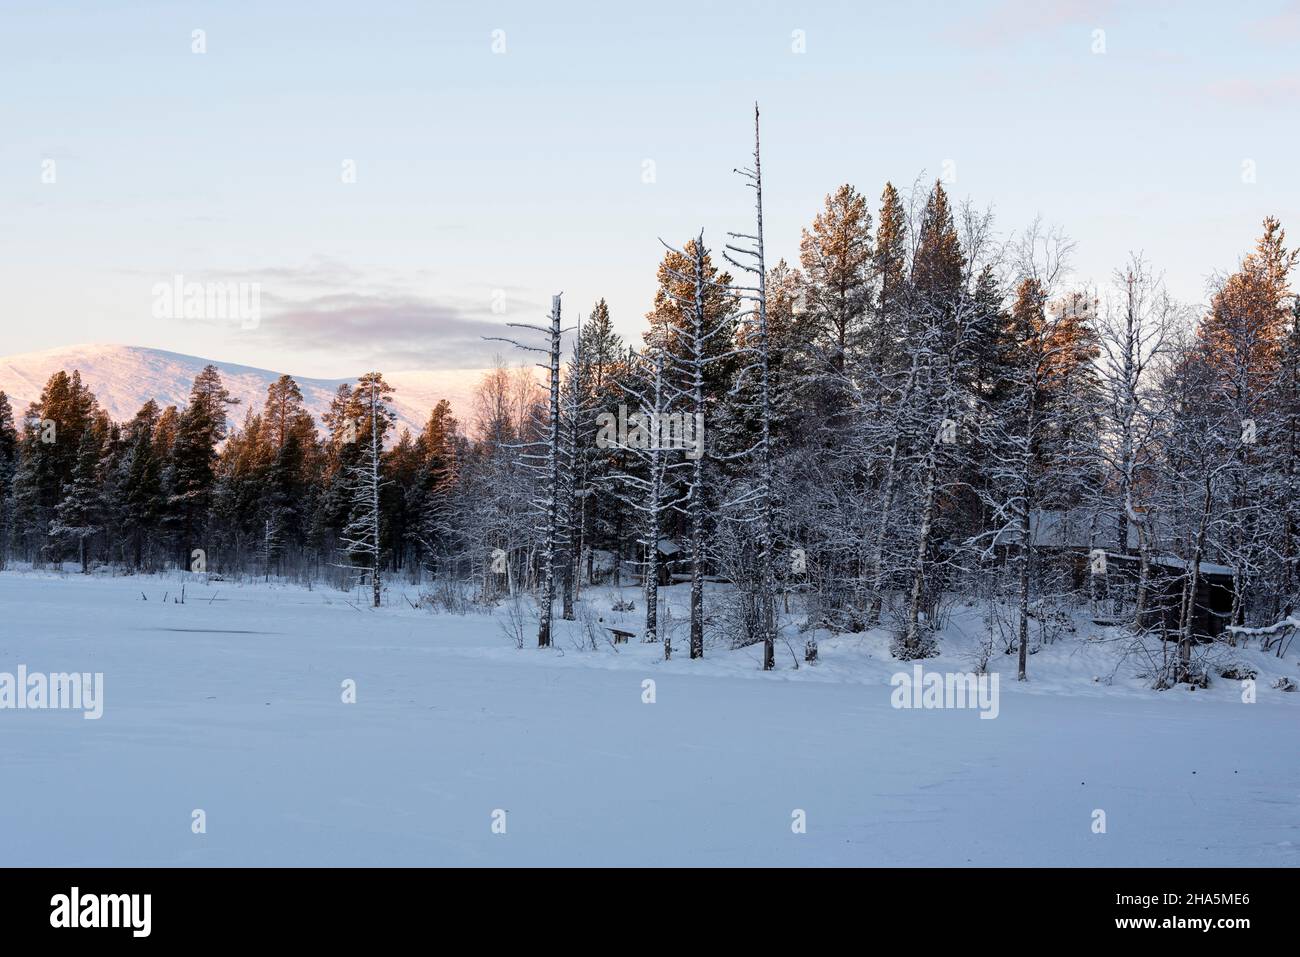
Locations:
{"points": [[232, 703]]}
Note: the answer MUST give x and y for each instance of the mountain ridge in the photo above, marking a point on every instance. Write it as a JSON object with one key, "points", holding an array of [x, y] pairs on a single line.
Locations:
{"points": [[124, 377]]}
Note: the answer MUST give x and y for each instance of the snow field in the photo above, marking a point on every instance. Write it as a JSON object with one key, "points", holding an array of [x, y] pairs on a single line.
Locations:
{"points": [[232, 703]]}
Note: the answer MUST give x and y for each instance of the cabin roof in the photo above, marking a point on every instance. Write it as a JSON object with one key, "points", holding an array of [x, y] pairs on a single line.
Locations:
{"points": [[1174, 562], [1069, 528], [1206, 568]]}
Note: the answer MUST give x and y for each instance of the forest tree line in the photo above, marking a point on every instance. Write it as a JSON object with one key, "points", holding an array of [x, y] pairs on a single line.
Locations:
{"points": [[918, 394]]}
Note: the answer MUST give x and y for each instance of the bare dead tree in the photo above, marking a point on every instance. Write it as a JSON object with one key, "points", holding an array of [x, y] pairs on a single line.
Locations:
{"points": [[753, 262], [548, 464]]}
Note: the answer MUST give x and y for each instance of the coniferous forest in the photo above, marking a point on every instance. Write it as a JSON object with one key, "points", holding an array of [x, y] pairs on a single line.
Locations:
{"points": [[920, 410]]}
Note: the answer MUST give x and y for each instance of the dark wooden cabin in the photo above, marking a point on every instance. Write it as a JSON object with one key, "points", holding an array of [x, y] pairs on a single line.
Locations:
{"points": [[1167, 577]]}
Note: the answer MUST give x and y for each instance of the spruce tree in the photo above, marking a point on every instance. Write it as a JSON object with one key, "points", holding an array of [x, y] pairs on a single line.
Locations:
{"points": [[600, 514], [885, 337], [431, 498], [52, 435], [694, 328], [140, 501], [77, 516], [8, 465], [200, 428]]}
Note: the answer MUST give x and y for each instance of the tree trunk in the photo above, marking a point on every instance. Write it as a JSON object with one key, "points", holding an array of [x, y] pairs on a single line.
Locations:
{"points": [[696, 507], [767, 577], [552, 502], [1022, 627], [1194, 583], [913, 645], [374, 504]]}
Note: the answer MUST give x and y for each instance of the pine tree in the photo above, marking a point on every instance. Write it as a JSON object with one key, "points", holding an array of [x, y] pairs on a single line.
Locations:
{"points": [[672, 320], [76, 518], [200, 428], [140, 500], [288, 466], [1243, 339], [285, 414], [837, 259], [8, 465]]}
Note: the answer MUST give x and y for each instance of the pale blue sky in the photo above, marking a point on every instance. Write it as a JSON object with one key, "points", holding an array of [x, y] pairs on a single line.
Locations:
{"points": [[522, 171]]}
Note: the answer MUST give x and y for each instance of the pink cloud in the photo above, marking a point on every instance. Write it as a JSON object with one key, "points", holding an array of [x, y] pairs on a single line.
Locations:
{"points": [[1278, 27]]}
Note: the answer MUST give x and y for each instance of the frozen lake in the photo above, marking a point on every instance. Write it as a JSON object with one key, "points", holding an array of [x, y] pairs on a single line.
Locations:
{"points": [[232, 704]]}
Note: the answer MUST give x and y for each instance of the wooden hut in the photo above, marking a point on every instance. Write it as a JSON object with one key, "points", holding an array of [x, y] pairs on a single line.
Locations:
{"points": [[1167, 580]]}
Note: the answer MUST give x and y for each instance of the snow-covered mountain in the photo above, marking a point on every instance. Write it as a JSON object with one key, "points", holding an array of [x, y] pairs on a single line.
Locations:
{"points": [[124, 377]]}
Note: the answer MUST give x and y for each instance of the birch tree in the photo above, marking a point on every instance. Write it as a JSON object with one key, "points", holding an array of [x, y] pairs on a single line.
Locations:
{"points": [[548, 464], [1133, 333]]}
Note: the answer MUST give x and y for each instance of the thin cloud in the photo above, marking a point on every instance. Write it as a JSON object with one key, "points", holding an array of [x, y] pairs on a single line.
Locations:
{"points": [[1266, 92], [1280, 27], [381, 331], [317, 272], [1013, 20], [329, 309]]}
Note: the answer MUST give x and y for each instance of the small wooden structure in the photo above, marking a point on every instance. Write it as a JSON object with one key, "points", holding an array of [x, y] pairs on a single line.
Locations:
{"points": [[1167, 579], [621, 637], [1064, 541]]}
